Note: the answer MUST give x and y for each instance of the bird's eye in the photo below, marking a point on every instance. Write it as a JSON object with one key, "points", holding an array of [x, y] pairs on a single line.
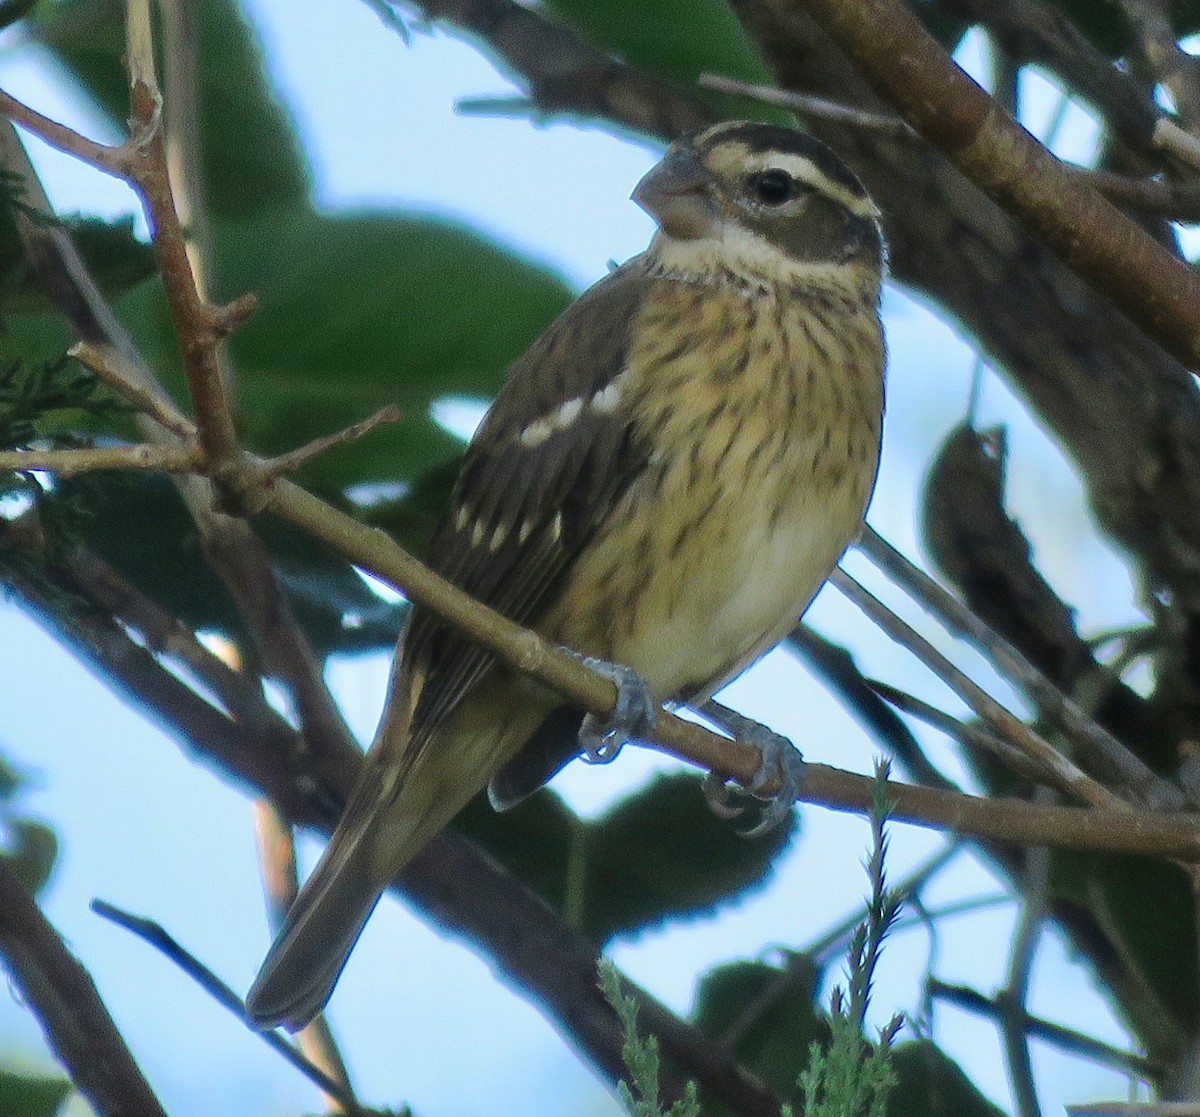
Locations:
{"points": [[773, 188]]}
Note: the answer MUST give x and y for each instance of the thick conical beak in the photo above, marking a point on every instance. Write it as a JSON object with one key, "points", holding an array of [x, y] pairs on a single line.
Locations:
{"points": [[678, 194]]}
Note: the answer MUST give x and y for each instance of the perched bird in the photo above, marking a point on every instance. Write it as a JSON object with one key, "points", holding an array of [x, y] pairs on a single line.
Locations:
{"points": [[664, 482]]}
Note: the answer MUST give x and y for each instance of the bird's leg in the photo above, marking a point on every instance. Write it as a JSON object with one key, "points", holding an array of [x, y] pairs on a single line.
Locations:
{"points": [[633, 715], [781, 760]]}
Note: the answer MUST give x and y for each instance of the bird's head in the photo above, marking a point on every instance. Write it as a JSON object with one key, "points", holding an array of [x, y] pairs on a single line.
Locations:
{"points": [[767, 204]]}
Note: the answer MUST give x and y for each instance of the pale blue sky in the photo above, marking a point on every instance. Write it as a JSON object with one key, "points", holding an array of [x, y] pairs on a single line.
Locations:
{"points": [[421, 1019]]}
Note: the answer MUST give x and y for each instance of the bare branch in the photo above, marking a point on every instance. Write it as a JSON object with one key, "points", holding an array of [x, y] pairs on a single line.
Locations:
{"points": [[1055, 768], [63, 997], [1102, 746], [289, 462], [807, 105], [70, 463], [910, 68], [156, 935]]}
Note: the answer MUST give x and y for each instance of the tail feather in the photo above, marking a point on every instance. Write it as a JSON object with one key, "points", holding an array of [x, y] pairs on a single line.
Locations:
{"points": [[405, 795], [312, 947]]}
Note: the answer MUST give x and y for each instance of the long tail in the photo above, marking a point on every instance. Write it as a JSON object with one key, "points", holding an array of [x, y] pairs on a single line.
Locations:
{"points": [[320, 930], [403, 798], [322, 926]]}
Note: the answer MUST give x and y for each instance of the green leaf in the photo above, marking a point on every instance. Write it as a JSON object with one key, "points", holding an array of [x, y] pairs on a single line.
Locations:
{"points": [[33, 850], [662, 854], [680, 40], [251, 155], [767, 1014], [930, 1084], [533, 841], [357, 312], [138, 523], [23, 1095], [1147, 910]]}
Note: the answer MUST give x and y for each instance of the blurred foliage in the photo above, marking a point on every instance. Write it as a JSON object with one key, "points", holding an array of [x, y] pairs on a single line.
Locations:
{"points": [[24, 1095], [28, 847], [635, 866]]}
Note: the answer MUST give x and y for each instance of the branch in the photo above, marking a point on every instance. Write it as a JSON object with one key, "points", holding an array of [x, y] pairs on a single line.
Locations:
{"points": [[70, 463], [568, 75], [1051, 765], [63, 996], [232, 549], [807, 105], [908, 67], [1102, 747], [1065, 1039]]}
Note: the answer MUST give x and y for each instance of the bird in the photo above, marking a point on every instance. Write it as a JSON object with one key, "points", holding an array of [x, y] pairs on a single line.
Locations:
{"points": [[663, 483]]}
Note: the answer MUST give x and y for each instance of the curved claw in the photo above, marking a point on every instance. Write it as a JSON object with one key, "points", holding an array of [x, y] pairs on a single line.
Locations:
{"points": [[781, 761], [719, 796], [633, 715]]}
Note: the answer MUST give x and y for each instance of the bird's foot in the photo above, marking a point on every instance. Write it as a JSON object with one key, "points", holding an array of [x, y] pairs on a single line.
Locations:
{"points": [[633, 715], [780, 762]]}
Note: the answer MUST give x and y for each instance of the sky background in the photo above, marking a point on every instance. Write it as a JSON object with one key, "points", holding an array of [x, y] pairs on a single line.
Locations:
{"points": [[147, 828]]}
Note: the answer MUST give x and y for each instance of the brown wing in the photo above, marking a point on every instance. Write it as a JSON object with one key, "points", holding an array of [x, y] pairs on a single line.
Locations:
{"points": [[546, 467]]}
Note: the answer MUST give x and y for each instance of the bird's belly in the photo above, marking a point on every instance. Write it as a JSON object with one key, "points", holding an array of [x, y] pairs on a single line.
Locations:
{"points": [[745, 590], [693, 592]]}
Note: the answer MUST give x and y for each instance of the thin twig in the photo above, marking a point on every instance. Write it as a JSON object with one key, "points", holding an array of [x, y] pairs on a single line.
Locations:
{"points": [[961, 731], [111, 366], [1012, 1000], [1135, 1109], [69, 1009], [71, 463], [959, 620], [1169, 137], [157, 936], [1066, 1039], [808, 105], [112, 160], [1055, 768], [294, 459]]}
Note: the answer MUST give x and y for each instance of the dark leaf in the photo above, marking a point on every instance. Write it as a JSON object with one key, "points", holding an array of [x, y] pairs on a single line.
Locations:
{"points": [[679, 39], [930, 1084], [767, 1015], [24, 1095], [662, 854]]}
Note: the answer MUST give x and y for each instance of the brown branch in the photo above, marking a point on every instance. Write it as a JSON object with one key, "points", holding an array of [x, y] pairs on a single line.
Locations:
{"points": [[1032, 31], [1103, 748], [113, 160], [294, 459], [568, 75], [111, 366], [70, 463], [234, 551], [1158, 197], [908, 67], [64, 998], [196, 322], [1167, 62], [450, 882], [1037, 1027], [807, 105], [1054, 768]]}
